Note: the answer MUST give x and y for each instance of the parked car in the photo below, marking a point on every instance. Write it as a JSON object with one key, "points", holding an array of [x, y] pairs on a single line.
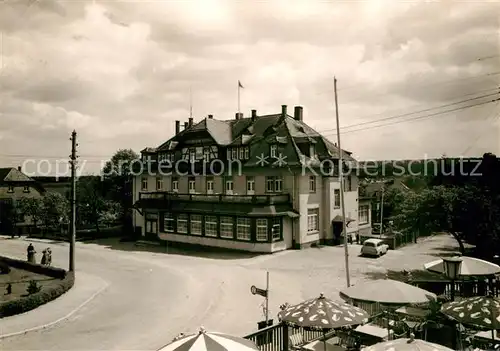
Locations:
{"points": [[374, 247]]}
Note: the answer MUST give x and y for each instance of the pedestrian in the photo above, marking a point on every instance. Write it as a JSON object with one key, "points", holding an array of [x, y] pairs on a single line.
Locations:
{"points": [[44, 258], [49, 256], [31, 253]]}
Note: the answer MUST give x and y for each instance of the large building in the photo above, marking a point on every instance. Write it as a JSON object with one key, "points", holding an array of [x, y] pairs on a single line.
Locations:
{"points": [[260, 184]]}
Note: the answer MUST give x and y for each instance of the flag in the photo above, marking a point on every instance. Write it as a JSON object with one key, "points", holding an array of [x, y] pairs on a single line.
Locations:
{"points": [[240, 86]]}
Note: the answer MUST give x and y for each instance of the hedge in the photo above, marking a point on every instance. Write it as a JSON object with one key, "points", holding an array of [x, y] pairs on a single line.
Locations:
{"points": [[25, 304]]}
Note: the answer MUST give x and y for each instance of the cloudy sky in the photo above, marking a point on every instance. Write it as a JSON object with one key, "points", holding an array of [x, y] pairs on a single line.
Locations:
{"points": [[119, 72]]}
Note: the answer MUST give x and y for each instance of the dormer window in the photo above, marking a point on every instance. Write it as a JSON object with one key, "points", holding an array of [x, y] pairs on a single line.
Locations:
{"points": [[26, 189], [312, 151], [10, 189], [273, 151]]}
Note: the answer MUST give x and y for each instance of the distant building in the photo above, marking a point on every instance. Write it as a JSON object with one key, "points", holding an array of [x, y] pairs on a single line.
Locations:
{"points": [[14, 185], [285, 195]]}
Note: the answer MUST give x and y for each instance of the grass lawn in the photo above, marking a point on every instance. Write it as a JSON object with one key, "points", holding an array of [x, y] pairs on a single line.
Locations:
{"points": [[20, 280]]}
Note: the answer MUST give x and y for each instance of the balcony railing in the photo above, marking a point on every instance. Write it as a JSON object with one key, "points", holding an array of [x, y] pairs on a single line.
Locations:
{"points": [[217, 198]]}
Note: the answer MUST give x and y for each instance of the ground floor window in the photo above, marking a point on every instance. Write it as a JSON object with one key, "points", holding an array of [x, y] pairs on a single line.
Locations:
{"points": [[276, 229], [211, 226], [226, 227], [182, 223], [312, 220], [261, 229], [243, 231], [168, 222], [196, 224]]}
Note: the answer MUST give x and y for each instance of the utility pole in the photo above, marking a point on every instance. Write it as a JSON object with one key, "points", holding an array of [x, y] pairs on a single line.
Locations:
{"points": [[341, 178], [267, 299], [382, 210], [72, 231]]}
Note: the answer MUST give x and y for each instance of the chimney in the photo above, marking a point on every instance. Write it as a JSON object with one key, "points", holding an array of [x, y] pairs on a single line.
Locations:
{"points": [[186, 125], [254, 115], [20, 168], [283, 111], [238, 115], [210, 116], [177, 127], [190, 124], [298, 113]]}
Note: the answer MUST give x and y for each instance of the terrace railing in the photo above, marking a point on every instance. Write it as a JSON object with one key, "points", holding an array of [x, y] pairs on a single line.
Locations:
{"points": [[216, 198]]}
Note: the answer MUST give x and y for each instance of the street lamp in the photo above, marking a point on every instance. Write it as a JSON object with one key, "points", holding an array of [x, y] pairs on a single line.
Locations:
{"points": [[452, 270]]}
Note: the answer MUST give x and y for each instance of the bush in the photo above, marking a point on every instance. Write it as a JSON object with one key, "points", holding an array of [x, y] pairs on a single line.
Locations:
{"points": [[37, 299], [33, 287]]}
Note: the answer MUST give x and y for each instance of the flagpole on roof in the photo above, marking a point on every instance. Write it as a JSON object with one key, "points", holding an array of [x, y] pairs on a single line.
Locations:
{"points": [[190, 103], [341, 179], [239, 87]]}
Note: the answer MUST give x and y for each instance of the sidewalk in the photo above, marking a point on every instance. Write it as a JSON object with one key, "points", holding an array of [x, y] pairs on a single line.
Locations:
{"points": [[86, 288]]}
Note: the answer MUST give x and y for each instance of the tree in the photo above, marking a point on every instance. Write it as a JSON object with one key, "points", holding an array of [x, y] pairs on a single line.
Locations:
{"points": [[118, 177], [55, 210], [32, 207], [90, 200]]}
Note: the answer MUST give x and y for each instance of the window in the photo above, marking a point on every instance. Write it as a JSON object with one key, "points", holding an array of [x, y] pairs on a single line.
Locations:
{"points": [[191, 185], [247, 153], [243, 228], [234, 154], [215, 152], [312, 184], [144, 184], [210, 185], [274, 149], [336, 198], [175, 184], [182, 226], [211, 226], [364, 214], [242, 153], [312, 220], [276, 229], [159, 184], [347, 183], [26, 189], [262, 229], [226, 227], [250, 185], [206, 154], [312, 151], [229, 186], [196, 224], [192, 155], [274, 184], [168, 222]]}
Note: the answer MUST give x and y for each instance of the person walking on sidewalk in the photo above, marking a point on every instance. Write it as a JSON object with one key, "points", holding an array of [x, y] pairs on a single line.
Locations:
{"points": [[31, 253]]}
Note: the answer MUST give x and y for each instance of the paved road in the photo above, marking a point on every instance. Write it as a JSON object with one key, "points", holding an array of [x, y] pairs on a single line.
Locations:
{"points": [[153, 296]]}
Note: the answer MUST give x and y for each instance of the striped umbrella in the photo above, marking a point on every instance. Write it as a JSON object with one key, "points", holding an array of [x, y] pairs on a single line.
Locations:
{"points": [[210, 341], [411, 344]]}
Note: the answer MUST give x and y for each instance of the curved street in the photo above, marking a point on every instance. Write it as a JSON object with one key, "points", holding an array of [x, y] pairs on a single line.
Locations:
{"points": [[154, 293]]}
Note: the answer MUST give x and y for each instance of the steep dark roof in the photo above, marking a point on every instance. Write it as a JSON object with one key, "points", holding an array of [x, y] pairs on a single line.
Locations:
{"points": [[13, 175], [261, 131]]}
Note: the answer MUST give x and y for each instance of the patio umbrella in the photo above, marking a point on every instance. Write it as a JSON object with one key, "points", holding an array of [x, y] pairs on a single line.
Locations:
{"points": [[470, 267], [210, 341], [323, 313], [387, 291], [479, 311], [406, 345]]}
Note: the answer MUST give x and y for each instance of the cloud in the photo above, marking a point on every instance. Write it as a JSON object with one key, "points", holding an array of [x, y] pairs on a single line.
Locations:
{"points": [[120, 72]]}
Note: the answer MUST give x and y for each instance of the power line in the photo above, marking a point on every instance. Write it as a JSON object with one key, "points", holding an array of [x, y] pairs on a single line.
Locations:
{"points": [[420, 117], [415, 112]]}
